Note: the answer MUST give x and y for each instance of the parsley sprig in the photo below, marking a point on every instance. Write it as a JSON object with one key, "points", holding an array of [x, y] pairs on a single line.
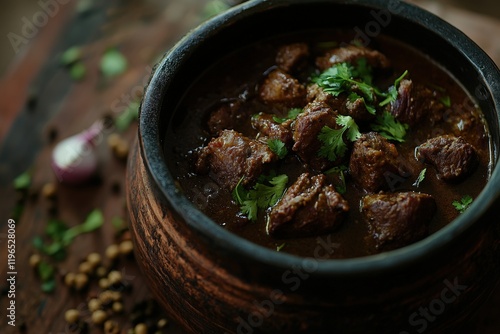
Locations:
{"points": [[333, 145], [264, 194]]}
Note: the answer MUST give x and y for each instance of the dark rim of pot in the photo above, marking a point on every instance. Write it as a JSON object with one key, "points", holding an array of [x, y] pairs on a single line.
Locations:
{"points": [[151, 143]]}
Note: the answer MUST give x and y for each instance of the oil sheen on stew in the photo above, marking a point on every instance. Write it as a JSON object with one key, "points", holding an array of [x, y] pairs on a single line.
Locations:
{"points": [[312, 141]]}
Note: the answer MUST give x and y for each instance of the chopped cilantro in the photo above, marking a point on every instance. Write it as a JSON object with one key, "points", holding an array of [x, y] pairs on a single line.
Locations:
{"points": [[420, 178], [280, 247], [342, 187], [464, 203], [292, 114], [278, 147], [77, 71], [46, 272], [266, 193], [23, 181], [392, 94], [355, 96], [389, 128], [363, 71], [71, 56], [113, 63], [333, 145], [214, 7], [123, 121], [446, 101], [61, 236]]}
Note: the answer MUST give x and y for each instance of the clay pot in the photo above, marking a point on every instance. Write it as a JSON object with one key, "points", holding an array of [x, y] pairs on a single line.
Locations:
{"points": [[211, 281]]}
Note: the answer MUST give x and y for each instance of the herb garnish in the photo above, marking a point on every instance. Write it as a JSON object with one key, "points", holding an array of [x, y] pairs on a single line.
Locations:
{"points": [[123, 121], [342, 187], [61, 236], [389, 127], [333, 145], [292, 114], [464, 203], [280, 247], [446, 101], [278, 147], [420, 178], [392, 94], [23, 181], [266, 193], [113, 63]]}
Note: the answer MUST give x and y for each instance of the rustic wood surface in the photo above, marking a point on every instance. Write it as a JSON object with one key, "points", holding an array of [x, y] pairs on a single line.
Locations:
{"points": [[42, 105]]}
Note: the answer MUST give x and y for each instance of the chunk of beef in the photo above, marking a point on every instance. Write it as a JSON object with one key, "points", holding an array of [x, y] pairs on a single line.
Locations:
{"points": [[306, 129], [471, 127], [397, 219], [232, 156], [453, 157], [267, 127], [282, 89], [355, 108], [351, 54], [414, 102], [309, 207], [224, 116], [374, 161], [291, 56]]}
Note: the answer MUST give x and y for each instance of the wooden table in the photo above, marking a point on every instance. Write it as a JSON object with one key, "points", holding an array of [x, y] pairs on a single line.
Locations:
{"points": [[41, 105]]}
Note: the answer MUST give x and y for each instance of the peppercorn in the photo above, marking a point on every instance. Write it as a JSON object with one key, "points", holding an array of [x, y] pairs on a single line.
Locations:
{"points": [[81, 281], [94, 259], [35, 260], [69, 279], [99, 316], [162, 323], [111, 327], [49, 190], [121, 151], [101, 271], [112, 251], [114, 277], [141, 329], [72, 316], [104, 283], [126, 247], [117, 307], [85, 267], [94, 304]]}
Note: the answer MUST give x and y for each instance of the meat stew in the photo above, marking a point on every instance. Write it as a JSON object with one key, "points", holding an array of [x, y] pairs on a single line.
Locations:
{"points": [[313, 138]]}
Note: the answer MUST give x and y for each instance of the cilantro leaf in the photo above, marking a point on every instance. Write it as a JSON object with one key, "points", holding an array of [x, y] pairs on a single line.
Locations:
{"points": [[113, 63], [333, 145], [292, 114], [392, 94], [23, 181], [342, 187], [446, 101], [94, 220], [266, 193], [123, 121], [420, 178], [77, 71], [71, 56], [389, 128], [464, 203], [363, 71], [278, 147]]}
